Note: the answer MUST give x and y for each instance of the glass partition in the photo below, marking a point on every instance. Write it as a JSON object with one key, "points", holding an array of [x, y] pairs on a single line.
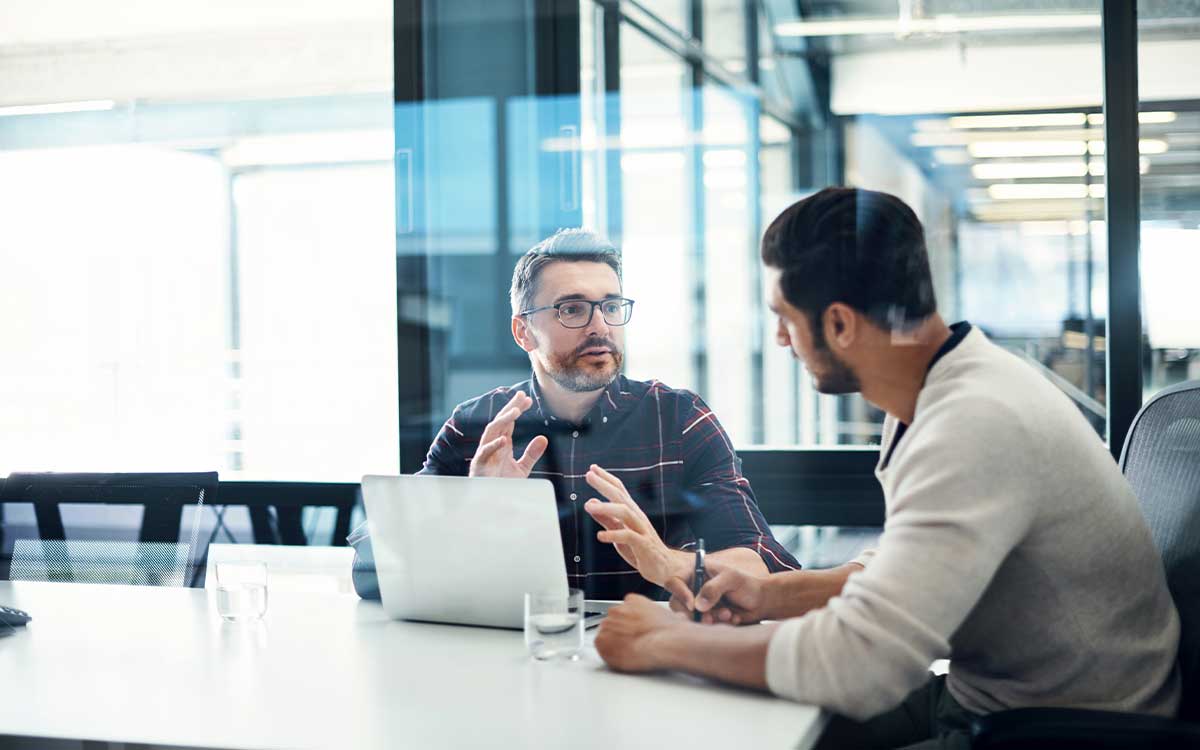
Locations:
{"points": [[1168, 42]]}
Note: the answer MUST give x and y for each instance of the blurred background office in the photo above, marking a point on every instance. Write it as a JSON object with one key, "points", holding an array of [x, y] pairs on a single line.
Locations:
{"points": [[275, 239]]}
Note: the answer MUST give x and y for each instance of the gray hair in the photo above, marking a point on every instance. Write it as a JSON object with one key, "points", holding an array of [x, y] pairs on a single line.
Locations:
{"points": [[574, 245]]}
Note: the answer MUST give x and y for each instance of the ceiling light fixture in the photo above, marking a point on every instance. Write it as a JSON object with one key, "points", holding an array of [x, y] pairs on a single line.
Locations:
{"points": [[940, 24], [91, 105], [1040, 120]]}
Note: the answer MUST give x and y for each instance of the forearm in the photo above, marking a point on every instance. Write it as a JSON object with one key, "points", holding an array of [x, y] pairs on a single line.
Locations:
{"points": [[736, 655], [794, 593]]}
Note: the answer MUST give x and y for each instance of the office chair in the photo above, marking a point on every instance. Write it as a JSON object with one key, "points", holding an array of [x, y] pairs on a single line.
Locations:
{"points": [[158, 557], [1161, 460]]}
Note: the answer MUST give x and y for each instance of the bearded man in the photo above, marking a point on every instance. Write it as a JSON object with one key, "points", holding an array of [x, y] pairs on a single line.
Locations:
{"points": [[640, 470]]}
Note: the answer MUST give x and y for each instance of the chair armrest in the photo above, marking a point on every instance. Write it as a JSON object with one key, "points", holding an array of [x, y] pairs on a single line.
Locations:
{"points": [[1072, 729]]}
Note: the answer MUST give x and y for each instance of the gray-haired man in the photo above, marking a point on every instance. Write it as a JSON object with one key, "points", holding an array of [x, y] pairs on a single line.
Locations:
{"points": [[640, 470]]}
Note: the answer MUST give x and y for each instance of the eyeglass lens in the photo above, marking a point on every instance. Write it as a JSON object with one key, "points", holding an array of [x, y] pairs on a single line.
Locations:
{"points": [[578, 314]]}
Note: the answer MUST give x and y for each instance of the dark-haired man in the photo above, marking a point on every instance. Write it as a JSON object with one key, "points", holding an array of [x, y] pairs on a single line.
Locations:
{"points": [[640, 470], [1012, 546]]}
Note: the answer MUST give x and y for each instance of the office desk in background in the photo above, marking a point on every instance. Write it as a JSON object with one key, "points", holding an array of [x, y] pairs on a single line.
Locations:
{"points": [[158, 666]]}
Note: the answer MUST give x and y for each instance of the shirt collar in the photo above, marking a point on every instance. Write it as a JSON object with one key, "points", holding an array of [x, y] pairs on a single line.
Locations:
{"points": [[958, 332], [602, 411]]}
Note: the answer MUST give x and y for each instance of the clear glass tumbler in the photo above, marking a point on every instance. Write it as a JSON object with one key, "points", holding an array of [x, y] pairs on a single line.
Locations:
{"points": [[241, 590], [554, 624]]}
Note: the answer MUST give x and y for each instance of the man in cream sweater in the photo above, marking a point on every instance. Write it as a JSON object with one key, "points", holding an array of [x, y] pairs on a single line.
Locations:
{"points": [[1012, 546]]}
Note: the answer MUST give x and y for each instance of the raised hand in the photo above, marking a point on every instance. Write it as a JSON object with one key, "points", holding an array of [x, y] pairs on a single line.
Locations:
{"points": [[495, 456], [628, 529]]}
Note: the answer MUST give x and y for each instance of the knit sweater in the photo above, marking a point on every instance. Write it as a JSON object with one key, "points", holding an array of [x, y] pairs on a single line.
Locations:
{"points": [[1012, 546]]}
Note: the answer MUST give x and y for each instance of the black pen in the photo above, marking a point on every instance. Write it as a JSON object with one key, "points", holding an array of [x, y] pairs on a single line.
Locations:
{"points": [[697, 578]]}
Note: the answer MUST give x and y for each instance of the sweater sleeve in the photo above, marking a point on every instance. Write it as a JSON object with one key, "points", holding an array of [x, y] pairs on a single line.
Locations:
{"points": [[955, 512]]}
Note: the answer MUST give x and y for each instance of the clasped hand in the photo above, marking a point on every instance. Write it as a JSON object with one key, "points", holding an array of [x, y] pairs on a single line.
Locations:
{"points": [[729, 595]]}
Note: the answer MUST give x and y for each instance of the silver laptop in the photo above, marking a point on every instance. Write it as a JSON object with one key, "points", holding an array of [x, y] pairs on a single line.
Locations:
{"points": [[463, 550]]}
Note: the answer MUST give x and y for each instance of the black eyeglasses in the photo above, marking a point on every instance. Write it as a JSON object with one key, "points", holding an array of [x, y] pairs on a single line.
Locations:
{"points": [[577, 313]]}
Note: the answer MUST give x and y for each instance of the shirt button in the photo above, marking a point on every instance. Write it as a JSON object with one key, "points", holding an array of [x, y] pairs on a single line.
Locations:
{"points": [[575, 434], [577, 558], [574, 496], [546, 422], [604, 420]]}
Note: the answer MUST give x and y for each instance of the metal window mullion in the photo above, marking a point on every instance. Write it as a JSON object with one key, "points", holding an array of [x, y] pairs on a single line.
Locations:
{"points": [[1123, 224]]}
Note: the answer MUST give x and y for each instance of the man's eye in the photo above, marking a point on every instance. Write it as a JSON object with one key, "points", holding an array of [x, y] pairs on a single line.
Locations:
{"points": [[570, 309], [612, 308]]}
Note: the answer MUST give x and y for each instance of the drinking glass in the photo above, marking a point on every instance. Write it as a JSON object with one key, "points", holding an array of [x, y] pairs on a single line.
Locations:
{"points": [[554, 624], [241, 591]]}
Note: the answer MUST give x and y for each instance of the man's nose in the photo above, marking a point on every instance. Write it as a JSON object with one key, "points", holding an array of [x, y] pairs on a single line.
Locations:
{"points": [[598, 326]]}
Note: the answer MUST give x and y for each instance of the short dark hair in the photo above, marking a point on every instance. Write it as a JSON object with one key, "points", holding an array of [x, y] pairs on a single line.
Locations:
{"points": [[863, 248], [572, 245]]}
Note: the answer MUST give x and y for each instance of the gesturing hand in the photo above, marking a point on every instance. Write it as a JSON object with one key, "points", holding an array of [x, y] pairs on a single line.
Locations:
{"points": [[730, 595], [628, 529], [495, 455]]}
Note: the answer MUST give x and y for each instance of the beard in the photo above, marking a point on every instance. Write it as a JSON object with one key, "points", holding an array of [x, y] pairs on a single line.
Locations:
{"points": [[833, 377], [575, 373]]}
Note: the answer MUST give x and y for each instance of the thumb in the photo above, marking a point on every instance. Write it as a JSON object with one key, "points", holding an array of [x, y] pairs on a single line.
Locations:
{"points": [[715, 588], [679, 591], [533, 452]]}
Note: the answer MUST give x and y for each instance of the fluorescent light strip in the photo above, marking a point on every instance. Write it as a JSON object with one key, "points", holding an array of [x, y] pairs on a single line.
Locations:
{"points": [[963, 137], [1047, 119], [942, 24], [1044, 190], [93, 105], [1012, 149], [1015, 149], [950, 156], [1144, 118], [1145, 146], [1016, 170]]}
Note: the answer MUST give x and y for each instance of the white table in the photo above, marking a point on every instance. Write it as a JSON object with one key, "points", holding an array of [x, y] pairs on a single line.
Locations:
{"points": [[158, 666]]}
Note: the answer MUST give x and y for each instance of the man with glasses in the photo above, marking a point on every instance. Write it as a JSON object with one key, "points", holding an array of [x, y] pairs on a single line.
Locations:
{"points": [[640, 470]]}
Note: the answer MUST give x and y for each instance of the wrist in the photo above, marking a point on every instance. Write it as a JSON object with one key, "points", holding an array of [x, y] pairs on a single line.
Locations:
{"points": [[668, 646], [674, 564], [774, 598]]}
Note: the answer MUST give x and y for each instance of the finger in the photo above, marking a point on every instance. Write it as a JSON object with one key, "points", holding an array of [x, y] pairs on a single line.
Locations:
{"points": [[599, 478], [596, 510], [612, 490], [488, 450], [715, 588], [681, 593], [621, 536], [498, 423], [613, 513], [533, 452]]}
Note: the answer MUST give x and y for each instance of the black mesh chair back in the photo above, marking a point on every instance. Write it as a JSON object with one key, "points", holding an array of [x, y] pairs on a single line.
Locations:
{"points": [[161, 554], [1161, 460]]}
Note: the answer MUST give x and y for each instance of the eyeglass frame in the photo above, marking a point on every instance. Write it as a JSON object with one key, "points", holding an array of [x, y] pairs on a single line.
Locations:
{"points": [[556, 307]]}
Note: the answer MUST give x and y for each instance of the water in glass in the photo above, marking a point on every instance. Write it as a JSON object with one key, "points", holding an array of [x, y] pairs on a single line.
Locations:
{"points": [[554, 624]]}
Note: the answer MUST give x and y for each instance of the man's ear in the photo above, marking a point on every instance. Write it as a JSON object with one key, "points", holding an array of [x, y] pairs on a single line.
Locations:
{"points": [[522, 335], [841, 326]]}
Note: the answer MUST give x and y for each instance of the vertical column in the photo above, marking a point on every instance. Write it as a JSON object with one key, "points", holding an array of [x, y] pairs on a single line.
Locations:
{"points": [[1124, 339]]}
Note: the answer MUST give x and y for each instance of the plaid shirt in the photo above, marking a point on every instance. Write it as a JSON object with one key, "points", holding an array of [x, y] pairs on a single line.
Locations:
{"points": [[665, 445]]}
